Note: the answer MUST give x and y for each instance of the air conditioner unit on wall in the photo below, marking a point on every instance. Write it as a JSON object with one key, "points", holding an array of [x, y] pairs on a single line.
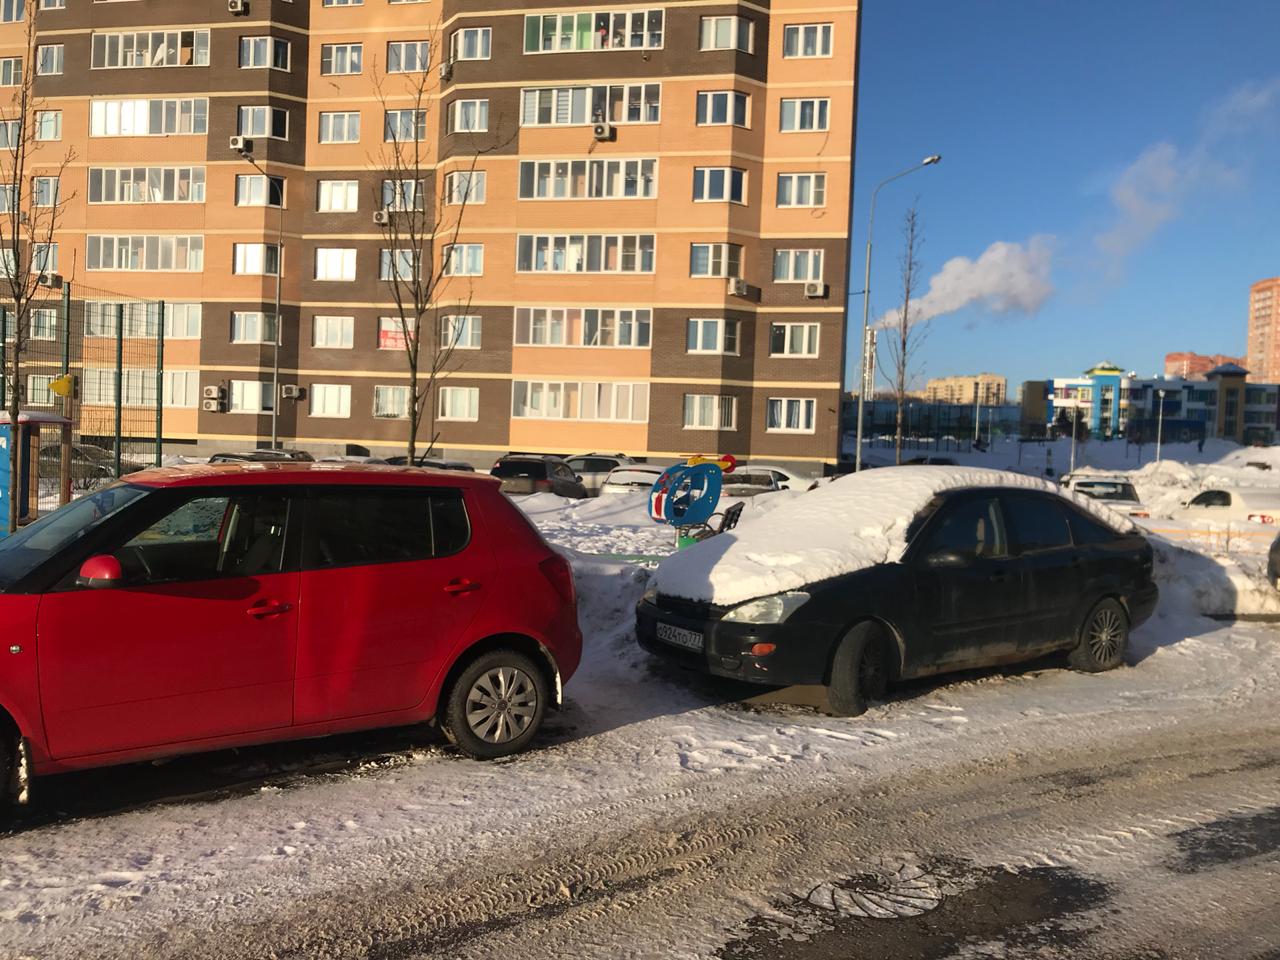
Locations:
{"points": [[446, 70], [290, 391], [815, 290], [381, 218], [211, 406], [213, 392], [602, 131], [737, 287], [238, 7], [241, 144]]}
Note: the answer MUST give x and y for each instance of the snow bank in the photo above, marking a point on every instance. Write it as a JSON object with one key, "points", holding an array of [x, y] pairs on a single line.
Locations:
{"points": [[857, 522]]}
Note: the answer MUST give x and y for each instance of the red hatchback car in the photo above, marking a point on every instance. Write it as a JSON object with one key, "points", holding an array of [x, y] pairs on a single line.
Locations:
{"points": [[204, 607]]}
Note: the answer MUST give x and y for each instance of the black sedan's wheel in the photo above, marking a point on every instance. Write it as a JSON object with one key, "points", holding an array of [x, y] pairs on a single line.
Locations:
{"points": [[1103, 638], [859, 671], [496, 705]]}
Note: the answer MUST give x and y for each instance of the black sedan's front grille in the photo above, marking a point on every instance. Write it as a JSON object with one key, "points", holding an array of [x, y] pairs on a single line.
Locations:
{"points": [[688, 609]]}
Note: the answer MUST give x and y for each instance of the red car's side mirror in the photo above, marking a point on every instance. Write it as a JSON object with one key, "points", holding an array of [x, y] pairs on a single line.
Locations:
{"points": [[100, 571]]}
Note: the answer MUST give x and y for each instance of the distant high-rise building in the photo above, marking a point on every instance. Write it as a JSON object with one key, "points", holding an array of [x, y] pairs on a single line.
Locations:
{"points": [[983, 388], [1194, 366], [1264, 345]]}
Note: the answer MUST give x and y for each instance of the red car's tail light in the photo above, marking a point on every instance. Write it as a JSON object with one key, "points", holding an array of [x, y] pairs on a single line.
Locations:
{"points": [[1262, 518], [557, 570]]}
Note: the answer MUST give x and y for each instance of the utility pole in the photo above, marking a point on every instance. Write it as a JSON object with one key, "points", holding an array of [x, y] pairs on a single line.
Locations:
{"points": [[1160, 424]]}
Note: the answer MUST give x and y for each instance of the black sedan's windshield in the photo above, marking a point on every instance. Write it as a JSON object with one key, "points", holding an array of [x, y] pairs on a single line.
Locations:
{"points": [[37, 542]]}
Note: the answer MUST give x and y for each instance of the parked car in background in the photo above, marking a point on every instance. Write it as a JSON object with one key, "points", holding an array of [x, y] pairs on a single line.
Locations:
{"points": [[970, 568], [1116, 492], [351, 458], [592, 468], [308, 601], [930, 459], [786, 478], [1233, 505], [89, 464], [524, 473], [264, 455], [633, 478], [434, 463], [748, 482]]}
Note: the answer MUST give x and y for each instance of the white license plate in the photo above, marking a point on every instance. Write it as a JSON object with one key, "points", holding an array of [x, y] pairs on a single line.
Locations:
{"points": [[689, 639]]}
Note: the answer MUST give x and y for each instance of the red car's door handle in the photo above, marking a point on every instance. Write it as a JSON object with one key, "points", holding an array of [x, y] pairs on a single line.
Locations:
{"points": [[461, 586], [268, 608]]}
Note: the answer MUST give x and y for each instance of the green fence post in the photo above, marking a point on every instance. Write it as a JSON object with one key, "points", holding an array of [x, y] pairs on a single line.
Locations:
{"points": [[66, 328], [119, 385], [159, 382]]}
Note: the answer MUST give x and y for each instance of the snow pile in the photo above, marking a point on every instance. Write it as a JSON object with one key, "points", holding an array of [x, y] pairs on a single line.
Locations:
{"points": [[857, 522], [1194, 582]]}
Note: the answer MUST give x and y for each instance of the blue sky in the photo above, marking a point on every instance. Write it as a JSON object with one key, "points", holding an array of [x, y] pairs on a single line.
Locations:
{"points": [[1123, 155]]}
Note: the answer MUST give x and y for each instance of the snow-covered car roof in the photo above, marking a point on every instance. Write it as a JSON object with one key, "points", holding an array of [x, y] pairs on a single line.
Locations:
{"points": [[834, 530]]}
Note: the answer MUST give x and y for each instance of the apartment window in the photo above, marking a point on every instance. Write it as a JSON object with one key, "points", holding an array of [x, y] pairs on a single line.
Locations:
{"points": [[588, 179], [402, 126], [339, 128], [471, 43], [715, 260], [408, 56], [153, 48], [728, 33], [10, 133], [802, 189], [338, 196], [8, 198], [148, 118], [335, 263], [789, 415], [719, 184], [49, 60], [391, 332], [332, 333], [256, 190], [390, 402], [459, 403], [397, 264], [182, 321], [583, 327], [575, 400], [469, 116], [48, 124], [44, 258], [611, 327], [341, 58], [464, 186], [711, 336], [709, 411], [11, 71], [464, 260], [98, 386], [403, 195], [249, 396], [38, 392], [806, 40], [797, 266], [146, 184], [264, 52], [101, 319], [11, 10], [253, 326], [181, 388], [793, 340], [330, 400], [342, 3], [599, 30], [615, 103], [255, 259], [804, 114], [585, 253], [44, 191], [270, 122], [145, 252], [460, 333], [53, 4], [44, 324], [722, 107]]}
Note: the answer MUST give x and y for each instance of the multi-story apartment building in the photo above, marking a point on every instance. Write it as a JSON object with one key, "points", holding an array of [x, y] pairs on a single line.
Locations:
{"points": [[1196, 366], [1264, 329], [984, 388], [640, 213]]}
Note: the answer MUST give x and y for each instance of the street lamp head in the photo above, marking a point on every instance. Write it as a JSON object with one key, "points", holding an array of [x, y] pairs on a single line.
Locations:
{"points": [[931, 160]]}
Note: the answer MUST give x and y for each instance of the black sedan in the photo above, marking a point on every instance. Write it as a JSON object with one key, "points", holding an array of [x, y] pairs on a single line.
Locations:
{"points": [[988, 575]]}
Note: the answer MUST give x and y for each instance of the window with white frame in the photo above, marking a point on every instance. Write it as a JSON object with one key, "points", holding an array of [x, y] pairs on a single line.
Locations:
{"points": [[789, 415], [146, 184], [8, 198], [459, 403], [402, 195], [149, 48], [408, 56], [709, 411], [469, 116], [460, 333], [615, 103], [249, 396], [53, 4], [804, 114], [44, 258], [465, 186], [256, 190], [38, 392], [182, 321], [255, 259], [337, 196], [332, 333], [44, 191], [797, 266], [626, 327], [335, 263], [727, 33], [145, 252], [806, 40], [263, 121], [10, 131], [390, 402], [181, 388], [343, 3], [264, 52], [802, 189], [715, 260], [404, 126], [49, 59], [793, 340], [723, 107], [44, 324], [253, 326], [596, 30], [580, 400], [588, 179], [48, 124], [723, 184], [340, 127], [8, 262], [102, 318], [397, 264], [330, 400], [148, 118], [11, 11], [471, 43], [585, 253], [711, 335], [337, 59], [464, 260], [391, 332], [11, 71]]}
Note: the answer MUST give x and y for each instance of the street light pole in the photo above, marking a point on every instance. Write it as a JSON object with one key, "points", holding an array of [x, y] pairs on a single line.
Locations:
{"points": [[1159, 424], [866, 299], [275, 350]]}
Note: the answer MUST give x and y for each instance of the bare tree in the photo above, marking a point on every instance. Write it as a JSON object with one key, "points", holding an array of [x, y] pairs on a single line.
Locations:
{"points": [[906, 330], [31, 206]]}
